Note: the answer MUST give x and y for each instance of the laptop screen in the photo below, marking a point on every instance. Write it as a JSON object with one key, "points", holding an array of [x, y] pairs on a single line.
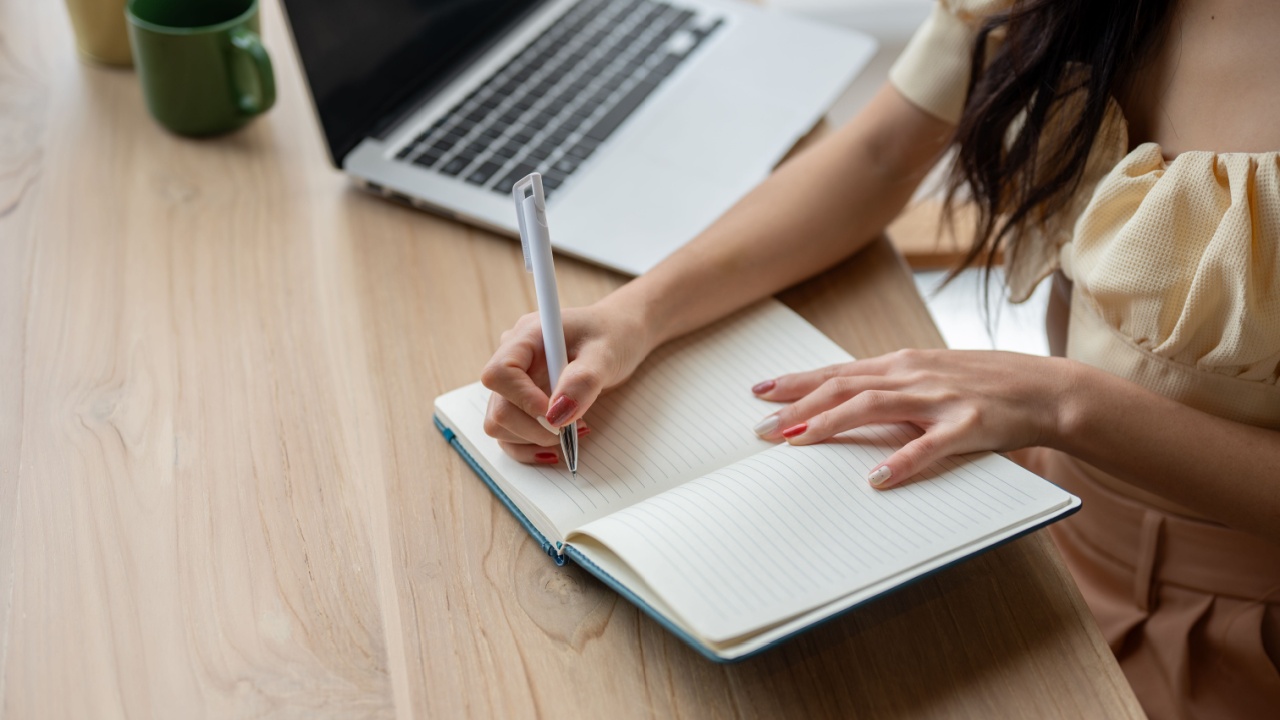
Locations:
{"points": [[364, 59]]}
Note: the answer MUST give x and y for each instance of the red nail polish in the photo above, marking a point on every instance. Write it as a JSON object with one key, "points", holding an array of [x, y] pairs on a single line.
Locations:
{"points": [[795, 430], [764, 387], [583, 430], [546, 458], [561, 410]]}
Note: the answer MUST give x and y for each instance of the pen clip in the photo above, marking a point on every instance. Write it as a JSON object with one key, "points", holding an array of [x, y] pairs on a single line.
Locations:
{"points": [[533, 183]]}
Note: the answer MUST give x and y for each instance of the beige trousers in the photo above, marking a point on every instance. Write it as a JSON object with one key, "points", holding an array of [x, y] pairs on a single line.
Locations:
{"points": [[1191, 609]]}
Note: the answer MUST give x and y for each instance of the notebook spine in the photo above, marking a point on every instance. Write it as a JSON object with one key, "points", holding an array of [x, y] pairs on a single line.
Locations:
{"points": [[555, 551]]}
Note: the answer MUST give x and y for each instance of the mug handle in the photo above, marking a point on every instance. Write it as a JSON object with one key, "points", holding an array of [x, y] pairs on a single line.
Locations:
{"points": [[248, 42]]}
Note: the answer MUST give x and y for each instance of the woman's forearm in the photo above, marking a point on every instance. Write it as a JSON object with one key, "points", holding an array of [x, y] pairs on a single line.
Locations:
{"points": [[815, 210], [1227, 470]]}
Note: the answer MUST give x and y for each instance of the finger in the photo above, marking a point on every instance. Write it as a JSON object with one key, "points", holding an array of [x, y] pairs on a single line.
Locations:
{"points": [[531, 454], [505, 422], [867, 408], [791, 387], [915, 457], [508, 374], [580, 384], [536, 455], [831, 393]]}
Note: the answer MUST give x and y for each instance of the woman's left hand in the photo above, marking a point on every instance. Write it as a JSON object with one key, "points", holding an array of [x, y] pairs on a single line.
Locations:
{"points": [[963, 401]]}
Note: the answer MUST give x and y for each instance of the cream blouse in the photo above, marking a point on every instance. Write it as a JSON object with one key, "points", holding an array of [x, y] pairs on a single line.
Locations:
{"points": [[1175, 263]]}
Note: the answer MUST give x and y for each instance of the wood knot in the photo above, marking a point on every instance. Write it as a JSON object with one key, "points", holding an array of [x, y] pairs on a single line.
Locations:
{"points": [[560, 583], [566, 602]]}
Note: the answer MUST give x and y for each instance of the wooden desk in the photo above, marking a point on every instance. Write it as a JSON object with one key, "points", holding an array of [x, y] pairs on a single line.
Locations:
{"points": [[221, 493]]}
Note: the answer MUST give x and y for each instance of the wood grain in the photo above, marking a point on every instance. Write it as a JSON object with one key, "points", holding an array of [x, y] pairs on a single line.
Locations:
{"points": [[221, 494], [928, 243]]}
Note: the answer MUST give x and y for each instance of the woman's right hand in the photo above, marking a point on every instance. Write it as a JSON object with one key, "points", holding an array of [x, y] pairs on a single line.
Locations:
{"points": [[605, 345]]}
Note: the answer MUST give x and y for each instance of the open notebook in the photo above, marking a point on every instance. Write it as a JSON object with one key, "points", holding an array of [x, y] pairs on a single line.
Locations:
{"points": [[731, 542]]}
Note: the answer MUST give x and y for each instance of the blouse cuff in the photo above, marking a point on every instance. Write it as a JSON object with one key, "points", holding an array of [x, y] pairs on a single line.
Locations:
{"points": [[933, 70]]}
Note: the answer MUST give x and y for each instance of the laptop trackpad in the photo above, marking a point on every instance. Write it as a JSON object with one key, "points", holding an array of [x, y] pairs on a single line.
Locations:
{"points": [[704, 149], [629, 218]]}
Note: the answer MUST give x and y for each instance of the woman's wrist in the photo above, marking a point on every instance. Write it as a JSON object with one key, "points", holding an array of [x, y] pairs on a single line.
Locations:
{"points": [[1071, 386], [646, 307], [636, 314]]}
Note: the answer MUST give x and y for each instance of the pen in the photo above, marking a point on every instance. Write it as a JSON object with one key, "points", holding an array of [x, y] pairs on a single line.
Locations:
{"points": [[535, 239]]}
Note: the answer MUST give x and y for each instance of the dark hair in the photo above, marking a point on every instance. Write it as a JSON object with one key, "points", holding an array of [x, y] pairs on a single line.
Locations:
{"points": [[1035, 105]]}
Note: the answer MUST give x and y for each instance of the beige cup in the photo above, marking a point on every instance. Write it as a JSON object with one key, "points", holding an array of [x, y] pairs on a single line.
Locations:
{"points": [[101, 35]]}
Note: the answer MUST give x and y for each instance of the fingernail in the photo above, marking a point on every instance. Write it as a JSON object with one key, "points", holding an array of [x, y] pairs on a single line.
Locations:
{"points": [[767, 425], [795, 430], [546, 458], [547, 426], [583, 430], [561, 410], [764, 387], [880, 475]]}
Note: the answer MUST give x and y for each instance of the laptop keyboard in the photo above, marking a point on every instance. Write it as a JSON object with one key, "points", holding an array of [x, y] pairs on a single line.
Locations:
{"points": [[559, 98]]}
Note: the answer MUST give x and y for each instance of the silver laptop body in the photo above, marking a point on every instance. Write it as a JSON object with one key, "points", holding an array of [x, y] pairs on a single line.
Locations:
{"points": [[647, 118]]}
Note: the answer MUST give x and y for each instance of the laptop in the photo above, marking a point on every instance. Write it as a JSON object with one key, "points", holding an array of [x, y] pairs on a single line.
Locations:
{"points": [[646, 118]]}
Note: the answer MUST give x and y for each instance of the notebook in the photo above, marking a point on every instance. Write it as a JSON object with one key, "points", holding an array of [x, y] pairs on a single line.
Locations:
{"points": [[730, 542]]}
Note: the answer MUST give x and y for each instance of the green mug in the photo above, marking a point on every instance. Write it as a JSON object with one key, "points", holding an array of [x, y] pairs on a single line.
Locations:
{"points": [[201, 62]]}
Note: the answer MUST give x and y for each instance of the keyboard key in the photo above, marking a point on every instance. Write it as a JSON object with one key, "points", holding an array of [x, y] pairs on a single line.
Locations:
{"points": [[664, 67], [427, 159], [509, 150], [540, 90], [681, 17], [705, 32], [441, 132], [482, 174], [444, 144], [455, 166], [509, 181], [583, 149], [571, 123], [535, 162], [601, 94], [404, 151], [506, 89], [559, 135], [605, 126], [565, 165]]}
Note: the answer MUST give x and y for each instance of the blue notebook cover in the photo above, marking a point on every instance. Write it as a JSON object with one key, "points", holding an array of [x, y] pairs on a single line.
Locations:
{"points": [[561, 553]]}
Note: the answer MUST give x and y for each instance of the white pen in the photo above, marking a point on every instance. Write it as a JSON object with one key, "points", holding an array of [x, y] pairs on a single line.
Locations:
{"points": [[535, 238]]}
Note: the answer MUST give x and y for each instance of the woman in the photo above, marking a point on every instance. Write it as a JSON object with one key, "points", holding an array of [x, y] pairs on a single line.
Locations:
{"points": [[1125, 148]]}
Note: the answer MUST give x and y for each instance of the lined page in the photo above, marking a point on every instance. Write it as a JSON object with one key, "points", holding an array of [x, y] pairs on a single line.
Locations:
{"points": [[688, 410], [793, 528]]}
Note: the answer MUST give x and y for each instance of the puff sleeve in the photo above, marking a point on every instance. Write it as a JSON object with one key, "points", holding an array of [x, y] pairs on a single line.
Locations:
{"points": [[933, 70]]}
